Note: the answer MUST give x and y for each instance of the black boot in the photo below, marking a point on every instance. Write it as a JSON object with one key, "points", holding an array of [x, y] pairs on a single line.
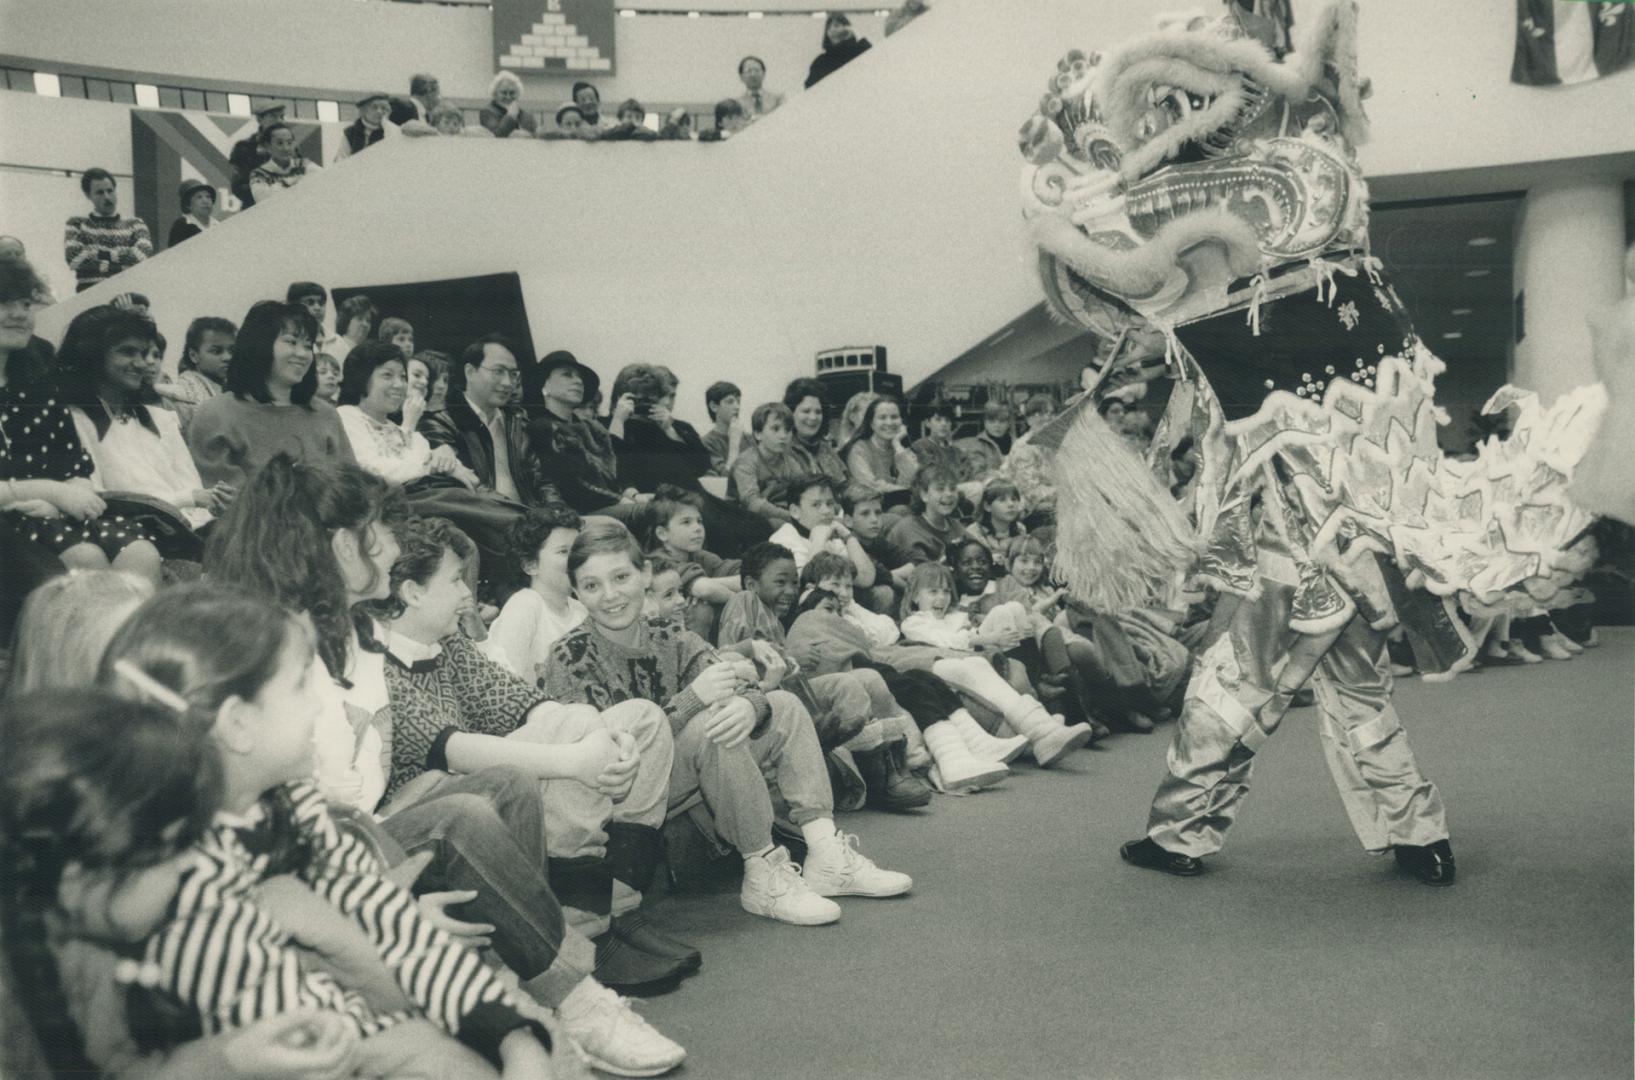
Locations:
{"points": [[1430, 863], [891, 786], [633, 857]]}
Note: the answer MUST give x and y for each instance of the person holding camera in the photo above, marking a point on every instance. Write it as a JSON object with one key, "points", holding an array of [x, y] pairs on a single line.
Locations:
{"points": [[654, 448]]}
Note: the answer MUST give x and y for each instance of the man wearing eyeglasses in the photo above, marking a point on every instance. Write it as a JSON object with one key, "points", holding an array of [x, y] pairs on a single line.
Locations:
{"points": [[487, 430]]}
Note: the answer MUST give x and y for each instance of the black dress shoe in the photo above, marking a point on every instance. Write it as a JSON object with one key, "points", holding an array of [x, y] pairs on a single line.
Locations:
{"points": [[623, 967], [634, 929], [1145, 853], [1430, 863]]}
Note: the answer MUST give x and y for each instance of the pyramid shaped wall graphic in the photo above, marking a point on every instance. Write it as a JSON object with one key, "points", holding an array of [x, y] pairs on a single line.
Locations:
{"points": [[554, 36]]}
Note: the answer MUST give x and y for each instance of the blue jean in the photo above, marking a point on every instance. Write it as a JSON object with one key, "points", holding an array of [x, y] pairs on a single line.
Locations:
{"points": [[486, 832]]}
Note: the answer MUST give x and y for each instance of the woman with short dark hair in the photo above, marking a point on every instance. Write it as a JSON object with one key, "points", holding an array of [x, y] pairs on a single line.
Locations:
{"points": [[805, 399], [841, 46], [268, 407]]}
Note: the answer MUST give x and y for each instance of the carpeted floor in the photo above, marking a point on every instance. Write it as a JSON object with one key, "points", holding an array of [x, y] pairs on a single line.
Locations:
{"points": [[1028, 949]]}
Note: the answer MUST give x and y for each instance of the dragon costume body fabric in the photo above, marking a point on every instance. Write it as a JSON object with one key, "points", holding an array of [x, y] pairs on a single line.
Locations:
{"points": [[1190, 186]]}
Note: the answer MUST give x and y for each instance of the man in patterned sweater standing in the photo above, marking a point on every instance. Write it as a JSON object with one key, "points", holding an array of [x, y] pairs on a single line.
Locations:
{"points": [[100, 244]]}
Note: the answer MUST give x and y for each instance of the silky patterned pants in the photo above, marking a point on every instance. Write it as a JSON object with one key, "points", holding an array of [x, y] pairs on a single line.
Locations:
{"points": [[1240, 690]]}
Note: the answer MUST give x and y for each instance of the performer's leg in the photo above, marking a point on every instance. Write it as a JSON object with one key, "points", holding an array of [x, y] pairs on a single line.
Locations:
{"points": [[1239, 692], [1389, 801]]}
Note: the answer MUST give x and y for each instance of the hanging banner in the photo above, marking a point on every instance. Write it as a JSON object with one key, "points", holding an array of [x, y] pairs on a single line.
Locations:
{"points": [[554, 37], [169, 148]]}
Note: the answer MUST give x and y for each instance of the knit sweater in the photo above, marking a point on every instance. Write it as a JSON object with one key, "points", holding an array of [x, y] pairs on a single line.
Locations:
{"points": [[457, 691], [588, 667], [99, 247], [230, 438]]}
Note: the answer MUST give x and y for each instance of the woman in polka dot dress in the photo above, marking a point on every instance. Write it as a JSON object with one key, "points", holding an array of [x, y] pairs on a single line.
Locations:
{"points": [[46, 495]]}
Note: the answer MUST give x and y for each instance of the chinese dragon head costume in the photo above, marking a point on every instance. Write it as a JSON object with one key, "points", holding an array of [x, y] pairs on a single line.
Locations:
{"points": [[1191, 185]]}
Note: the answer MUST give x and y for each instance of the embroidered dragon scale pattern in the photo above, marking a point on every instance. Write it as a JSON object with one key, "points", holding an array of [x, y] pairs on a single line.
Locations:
{"points": [[1187, 182]]}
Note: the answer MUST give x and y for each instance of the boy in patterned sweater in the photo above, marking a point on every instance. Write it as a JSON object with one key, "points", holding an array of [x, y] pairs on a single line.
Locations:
{"points": [[731, 736], [605, 773]]}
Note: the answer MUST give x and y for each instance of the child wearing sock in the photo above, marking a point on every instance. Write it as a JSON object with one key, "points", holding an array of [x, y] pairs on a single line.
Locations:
{"points": [[752, 624], [966, 671], [268, 861], [962, 755], [730, 737], [521, 637], [933, 618]]}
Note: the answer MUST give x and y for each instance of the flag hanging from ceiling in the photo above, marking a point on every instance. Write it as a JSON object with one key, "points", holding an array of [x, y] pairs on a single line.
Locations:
{"points": [[554, 37], [1571, 41]]}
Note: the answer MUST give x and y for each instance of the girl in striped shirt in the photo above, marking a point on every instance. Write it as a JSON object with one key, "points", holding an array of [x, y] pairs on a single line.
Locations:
{"points": [[271, 871]]}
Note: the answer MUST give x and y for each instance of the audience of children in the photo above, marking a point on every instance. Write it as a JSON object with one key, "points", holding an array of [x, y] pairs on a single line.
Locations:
{"points": [[502, 787], [854, 709]]}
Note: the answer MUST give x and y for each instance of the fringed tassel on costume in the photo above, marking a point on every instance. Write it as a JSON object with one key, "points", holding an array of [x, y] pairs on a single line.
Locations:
{"points": [[1122, 539]]}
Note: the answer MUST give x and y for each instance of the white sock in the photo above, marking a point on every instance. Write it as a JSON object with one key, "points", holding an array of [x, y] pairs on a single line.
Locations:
{"points": [[761, 854], [818, 831]]}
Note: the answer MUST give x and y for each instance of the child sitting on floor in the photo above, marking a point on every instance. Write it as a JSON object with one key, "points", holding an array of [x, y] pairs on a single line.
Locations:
{"points": [[866, 518], [753, 623], [928, 534], [999, 518], [219, 942], [931, 617], [962, 755], [731, 738], [664, 596], [533, 618], [966, 671], [816, 527], [707, 581]]}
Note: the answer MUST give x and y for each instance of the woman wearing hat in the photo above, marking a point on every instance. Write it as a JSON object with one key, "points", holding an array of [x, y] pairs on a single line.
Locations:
{"points": [[840, 47], [370, 127], [198, 200]]}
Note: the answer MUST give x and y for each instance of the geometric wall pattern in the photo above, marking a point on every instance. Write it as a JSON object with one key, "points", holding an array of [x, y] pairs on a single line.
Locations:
{"points": [[554, 37]]}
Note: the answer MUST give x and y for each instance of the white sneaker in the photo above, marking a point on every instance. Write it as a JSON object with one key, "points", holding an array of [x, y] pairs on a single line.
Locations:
{"points": [[773, 887], [836, 868], [1554, 646], [612, 1037]]}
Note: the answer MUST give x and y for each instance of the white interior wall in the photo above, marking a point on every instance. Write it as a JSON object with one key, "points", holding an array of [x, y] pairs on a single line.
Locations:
{"points": [[879, 208]]}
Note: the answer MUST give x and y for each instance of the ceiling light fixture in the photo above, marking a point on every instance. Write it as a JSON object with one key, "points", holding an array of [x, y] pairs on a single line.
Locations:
{"points": [[1462, 311], [1482, 241], [1477, 273], [1453, 335]]}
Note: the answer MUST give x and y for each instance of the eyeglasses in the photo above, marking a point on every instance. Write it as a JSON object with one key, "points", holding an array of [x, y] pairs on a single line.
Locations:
{"points": [[504, 374]]}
